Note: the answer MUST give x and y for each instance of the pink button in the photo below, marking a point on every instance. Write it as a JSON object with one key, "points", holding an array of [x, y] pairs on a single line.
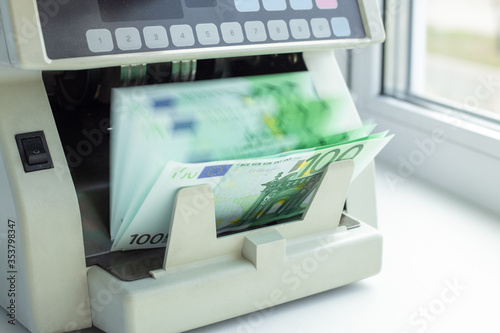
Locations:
{"points": [[327, 4]]}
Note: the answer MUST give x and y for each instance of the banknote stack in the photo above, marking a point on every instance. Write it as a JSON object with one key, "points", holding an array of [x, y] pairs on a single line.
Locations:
{"points": [[262, 143]]}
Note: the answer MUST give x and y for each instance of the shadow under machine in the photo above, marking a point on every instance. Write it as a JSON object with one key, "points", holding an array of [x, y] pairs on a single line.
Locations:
{"points": [[60, 60]]}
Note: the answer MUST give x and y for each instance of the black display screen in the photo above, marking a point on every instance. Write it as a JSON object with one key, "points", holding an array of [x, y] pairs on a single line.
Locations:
{"points": [[140, 10], [201, 3]]}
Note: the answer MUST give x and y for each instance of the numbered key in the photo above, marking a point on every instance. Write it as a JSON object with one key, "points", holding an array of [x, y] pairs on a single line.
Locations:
{"points": [[341, 27], [155, 37], [128, 39], [99, 40], [274, 5], [182, 35], [300, 29], [320, 28], [255, 31], [232, 32], [301, 4], [247, 5], [327, 4], [278, 30], [207, 34]]}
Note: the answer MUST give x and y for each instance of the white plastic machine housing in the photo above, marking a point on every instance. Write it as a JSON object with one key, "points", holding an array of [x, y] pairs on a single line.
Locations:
{"points": [[205, 279]]}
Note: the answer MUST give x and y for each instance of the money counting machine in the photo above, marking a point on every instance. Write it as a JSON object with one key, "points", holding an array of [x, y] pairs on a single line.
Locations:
{"points": [[60, 59]]}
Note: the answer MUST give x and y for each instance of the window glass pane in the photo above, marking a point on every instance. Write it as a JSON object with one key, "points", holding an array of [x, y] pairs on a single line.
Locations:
{"points": [[460, 54]]}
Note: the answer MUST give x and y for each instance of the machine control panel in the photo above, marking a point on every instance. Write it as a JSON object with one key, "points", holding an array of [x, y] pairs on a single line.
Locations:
{"points": [[103, 27]]}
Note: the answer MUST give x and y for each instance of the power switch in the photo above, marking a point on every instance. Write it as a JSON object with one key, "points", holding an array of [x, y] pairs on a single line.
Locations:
{"points": [[34, 151]]}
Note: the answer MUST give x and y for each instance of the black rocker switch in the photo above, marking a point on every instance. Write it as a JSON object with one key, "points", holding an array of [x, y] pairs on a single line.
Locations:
{"points": [[34, 151]]}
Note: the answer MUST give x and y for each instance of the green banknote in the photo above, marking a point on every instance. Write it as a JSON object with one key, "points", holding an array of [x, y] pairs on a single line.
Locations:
{"points": [[248, 193], [225, 119]]}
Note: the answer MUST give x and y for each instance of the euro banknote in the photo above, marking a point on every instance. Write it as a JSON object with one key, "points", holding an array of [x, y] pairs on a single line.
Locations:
{"points": [[249, 193], [226, 119]]}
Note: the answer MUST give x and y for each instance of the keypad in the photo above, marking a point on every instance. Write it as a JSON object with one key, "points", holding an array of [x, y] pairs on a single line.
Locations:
{"points": [[156, 37]]}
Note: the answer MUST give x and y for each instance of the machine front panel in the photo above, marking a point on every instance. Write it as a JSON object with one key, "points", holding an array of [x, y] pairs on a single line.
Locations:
{"points": [[107, 27]]}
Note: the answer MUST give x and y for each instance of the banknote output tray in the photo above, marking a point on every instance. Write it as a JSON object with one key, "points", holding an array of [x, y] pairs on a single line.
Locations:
{"points": [[136, 265], [240, 273]]}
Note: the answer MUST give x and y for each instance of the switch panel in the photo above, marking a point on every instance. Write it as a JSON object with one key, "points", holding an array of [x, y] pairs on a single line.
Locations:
{"points": [[34, 151]]}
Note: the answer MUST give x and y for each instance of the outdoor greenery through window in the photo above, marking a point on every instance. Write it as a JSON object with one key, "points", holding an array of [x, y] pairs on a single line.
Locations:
{"points": [[452, 57]]}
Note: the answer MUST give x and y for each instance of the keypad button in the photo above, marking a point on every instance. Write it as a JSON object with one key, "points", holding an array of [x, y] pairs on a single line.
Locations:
{"points": [[340, 27], [232, 32], [128, 39], [255, 31], [207, 34], [320, 28], [300, 29], [247, 5], [327, 4], [274, 5], [155, 37], [99, 40], [301, 4], [278, 30], [182, 35]]}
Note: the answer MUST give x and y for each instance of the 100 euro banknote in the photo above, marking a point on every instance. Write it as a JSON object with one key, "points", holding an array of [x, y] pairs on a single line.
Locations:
{"points": [[248, 193], [212, 120]]}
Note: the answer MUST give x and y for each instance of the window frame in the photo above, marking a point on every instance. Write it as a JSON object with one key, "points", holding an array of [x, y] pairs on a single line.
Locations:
{"points": [[433, 142]]}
